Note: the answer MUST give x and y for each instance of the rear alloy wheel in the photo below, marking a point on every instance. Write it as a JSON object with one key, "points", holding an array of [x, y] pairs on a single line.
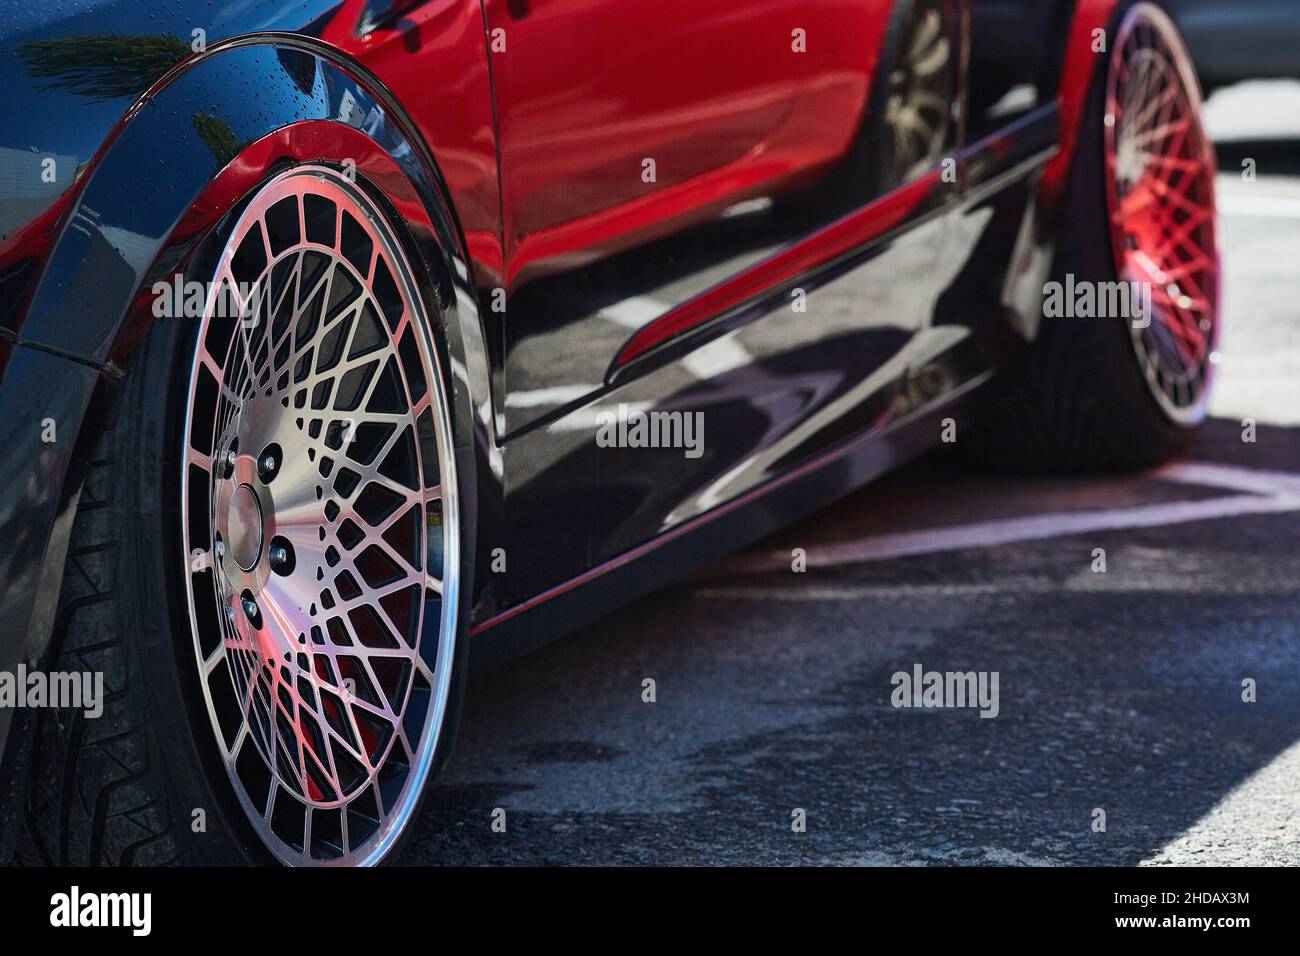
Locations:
{"points": [[1160, 195], [319, 516], [1113, 393]]}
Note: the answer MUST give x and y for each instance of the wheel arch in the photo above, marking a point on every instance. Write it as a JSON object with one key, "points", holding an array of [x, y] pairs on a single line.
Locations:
{"points": [[191, 149], [177, 169]]}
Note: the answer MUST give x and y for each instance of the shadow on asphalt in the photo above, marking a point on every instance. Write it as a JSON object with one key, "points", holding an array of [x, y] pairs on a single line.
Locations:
{"points": [[1118, 691]]}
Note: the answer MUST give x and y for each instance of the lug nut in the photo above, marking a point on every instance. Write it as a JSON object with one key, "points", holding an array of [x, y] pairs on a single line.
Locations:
{"points": [[220, 548], [231, 616], [280, 553], [268, 463], [251, 612], [228, 464]]}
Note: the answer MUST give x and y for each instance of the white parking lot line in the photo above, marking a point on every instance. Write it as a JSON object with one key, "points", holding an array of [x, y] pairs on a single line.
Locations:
{"points": [[1258, 492]]}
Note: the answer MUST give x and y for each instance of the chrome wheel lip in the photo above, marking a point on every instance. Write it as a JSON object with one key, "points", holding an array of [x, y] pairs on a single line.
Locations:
{"points": [[425, 748], [1183, 402]]}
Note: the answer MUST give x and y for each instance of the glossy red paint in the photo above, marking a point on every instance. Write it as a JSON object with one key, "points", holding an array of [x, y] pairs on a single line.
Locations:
{"points": [[820, 249], [716, 94], [32, 241], [1081, 64], [35, 238], [431, 57]]}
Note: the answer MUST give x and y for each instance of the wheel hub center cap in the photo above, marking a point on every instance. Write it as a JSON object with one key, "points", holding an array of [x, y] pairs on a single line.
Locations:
{"points": [[244, 524]]}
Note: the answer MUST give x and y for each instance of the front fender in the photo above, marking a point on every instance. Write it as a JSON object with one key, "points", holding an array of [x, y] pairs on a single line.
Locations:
{"points": [[194, 150], [175, 172]]}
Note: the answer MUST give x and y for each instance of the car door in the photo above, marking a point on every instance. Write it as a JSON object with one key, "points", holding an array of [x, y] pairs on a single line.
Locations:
{"points": [[662, 162], [625, 123]]}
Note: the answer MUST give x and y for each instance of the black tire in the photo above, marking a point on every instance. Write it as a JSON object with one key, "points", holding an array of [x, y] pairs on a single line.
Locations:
{"points": [[1080, 403], [121, 789], [126, 788]]}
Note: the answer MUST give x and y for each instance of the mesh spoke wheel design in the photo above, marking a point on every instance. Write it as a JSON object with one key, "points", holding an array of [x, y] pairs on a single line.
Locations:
{"points": [[320, 522], [920, 94], [1160, 184]]}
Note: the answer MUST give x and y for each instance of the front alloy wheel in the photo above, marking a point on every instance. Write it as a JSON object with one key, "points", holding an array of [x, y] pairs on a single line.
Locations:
{"points": [[320, 522]]}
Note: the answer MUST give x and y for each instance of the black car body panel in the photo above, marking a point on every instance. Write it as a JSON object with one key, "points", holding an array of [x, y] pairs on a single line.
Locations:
{"points": [[803, 412]]}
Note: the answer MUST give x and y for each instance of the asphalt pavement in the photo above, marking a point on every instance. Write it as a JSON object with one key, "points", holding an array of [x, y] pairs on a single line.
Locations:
{"points": [[1147, 713]]}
